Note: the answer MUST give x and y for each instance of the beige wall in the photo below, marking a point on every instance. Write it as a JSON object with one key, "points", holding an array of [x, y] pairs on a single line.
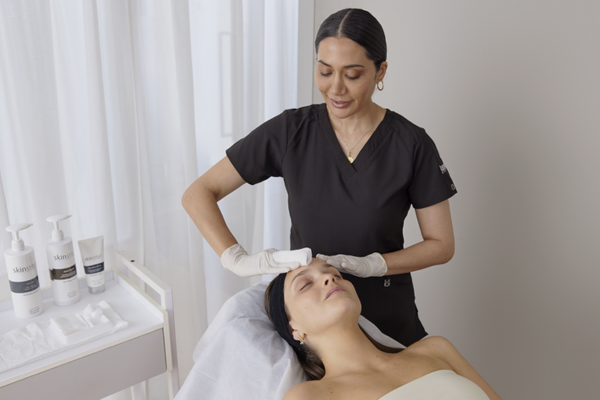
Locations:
{"points": [[510, 92]]}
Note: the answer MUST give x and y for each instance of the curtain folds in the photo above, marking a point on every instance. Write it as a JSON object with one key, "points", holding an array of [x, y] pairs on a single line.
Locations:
{"points": [[110, 109]]}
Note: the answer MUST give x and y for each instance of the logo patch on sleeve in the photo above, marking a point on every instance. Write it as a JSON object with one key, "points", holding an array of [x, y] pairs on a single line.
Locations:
{"points": [[443, 168]]}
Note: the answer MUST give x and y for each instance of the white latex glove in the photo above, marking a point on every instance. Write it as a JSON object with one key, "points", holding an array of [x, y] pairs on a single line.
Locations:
{"points": [[371, 265], [237, 260]]}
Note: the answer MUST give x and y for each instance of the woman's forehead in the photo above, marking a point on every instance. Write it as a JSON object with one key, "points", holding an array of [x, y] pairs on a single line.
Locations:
{"points": [[341, 50]]}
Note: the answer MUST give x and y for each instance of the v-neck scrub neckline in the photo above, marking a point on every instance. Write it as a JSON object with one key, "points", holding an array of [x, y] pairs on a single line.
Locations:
{"points": [[347, 168], [338, 207]]}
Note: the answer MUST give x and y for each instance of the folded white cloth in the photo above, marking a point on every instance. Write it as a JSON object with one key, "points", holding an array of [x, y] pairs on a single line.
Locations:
{"points": [[303, 256], [42, 339]]}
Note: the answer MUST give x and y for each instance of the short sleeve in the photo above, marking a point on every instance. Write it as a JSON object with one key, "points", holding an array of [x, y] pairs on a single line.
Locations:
{"points": [[431, 183], [259, 155]]}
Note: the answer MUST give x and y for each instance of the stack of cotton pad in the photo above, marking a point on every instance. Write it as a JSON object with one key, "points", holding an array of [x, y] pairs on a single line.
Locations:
{"points": [[78, 327]]}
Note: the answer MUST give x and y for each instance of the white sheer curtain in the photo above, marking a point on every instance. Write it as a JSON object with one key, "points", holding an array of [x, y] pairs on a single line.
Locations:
{"points": [[110, 109]]}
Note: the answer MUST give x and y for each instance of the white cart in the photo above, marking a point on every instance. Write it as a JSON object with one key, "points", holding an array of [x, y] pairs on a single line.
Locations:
{"points": [[126, 358]]}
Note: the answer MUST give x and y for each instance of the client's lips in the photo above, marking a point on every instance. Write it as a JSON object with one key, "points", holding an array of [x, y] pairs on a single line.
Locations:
{"points": [[334, 290]]}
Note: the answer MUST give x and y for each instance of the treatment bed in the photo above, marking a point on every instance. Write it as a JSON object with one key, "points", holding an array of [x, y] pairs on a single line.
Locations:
{"points": [[241, 355]]}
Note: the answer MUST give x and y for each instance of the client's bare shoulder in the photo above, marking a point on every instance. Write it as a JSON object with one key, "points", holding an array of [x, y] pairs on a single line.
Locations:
{"points": [[432, 344], [306, 390], [433, 347], [440, 349]]}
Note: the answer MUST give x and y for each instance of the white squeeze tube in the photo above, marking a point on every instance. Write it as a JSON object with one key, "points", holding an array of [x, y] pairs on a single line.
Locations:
{"points": [[92, 254]]}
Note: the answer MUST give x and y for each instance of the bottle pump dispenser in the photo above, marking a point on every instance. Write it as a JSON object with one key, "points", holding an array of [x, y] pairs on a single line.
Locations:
{"points": [[22, 275], [61, 263]]}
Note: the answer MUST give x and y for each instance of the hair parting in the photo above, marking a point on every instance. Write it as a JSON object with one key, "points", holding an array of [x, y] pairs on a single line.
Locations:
{"points": [[359, 26]]}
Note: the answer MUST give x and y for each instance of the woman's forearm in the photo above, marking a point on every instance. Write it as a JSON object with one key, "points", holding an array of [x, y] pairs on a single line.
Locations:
{"points": [[200, 202], [203, 209], [436, 248], [418, 256]]}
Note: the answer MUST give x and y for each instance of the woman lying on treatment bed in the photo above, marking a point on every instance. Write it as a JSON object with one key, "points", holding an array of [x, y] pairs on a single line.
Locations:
{"points": [[316, 311]]}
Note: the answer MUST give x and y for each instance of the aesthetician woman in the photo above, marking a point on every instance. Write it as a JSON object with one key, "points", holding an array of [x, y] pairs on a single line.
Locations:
{"points": [[352, 169]]}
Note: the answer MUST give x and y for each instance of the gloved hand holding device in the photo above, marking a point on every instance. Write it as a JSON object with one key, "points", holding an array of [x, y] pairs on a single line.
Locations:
{"points": [[238, 261]]}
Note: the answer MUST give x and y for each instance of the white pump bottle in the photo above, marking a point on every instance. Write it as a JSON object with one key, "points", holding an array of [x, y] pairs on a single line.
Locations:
{"points": [[23, 276], [61, 263]]}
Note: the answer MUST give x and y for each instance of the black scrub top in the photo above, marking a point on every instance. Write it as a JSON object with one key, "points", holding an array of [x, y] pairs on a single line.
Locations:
{"points": [[356, 209]]}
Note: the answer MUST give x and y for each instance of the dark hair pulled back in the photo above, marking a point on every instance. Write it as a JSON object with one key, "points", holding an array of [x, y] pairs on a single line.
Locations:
{"points": [[277, 312], [359, 26], [308, 358]]}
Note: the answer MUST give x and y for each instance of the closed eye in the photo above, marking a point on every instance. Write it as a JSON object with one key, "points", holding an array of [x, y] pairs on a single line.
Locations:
{"points": [[352, 78]]}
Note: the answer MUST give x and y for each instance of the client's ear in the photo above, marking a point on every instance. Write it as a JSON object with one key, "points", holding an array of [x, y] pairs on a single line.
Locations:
{"points": [[296, 333]]}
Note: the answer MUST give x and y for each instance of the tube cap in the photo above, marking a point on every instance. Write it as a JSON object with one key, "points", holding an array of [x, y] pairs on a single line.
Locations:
{"points": [[57, 234], [17, 243]]}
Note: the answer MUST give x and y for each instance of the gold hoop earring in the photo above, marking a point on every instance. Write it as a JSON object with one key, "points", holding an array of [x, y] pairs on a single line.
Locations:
{"points": [[382, 85], [301, 340]]}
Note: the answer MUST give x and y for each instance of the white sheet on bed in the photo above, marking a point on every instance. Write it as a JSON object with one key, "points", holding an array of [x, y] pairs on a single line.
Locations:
{"points": [[241, 355]]}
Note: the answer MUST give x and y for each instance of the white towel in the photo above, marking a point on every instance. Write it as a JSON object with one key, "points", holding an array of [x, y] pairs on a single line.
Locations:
{"points": [[303, 256], [42, 339]]}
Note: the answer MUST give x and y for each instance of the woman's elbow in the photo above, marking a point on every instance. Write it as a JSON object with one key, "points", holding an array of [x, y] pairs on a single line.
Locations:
{"points": [[191, 196], [187, 199], [447, 252], [198, 195], [444, 250]]}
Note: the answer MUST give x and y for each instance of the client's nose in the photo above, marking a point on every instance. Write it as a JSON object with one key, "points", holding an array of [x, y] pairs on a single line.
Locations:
{"points": [[328, 278]]}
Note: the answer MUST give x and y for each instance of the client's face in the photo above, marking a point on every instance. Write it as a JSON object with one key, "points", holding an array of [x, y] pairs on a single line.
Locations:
{"points": [[317, 297]]}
